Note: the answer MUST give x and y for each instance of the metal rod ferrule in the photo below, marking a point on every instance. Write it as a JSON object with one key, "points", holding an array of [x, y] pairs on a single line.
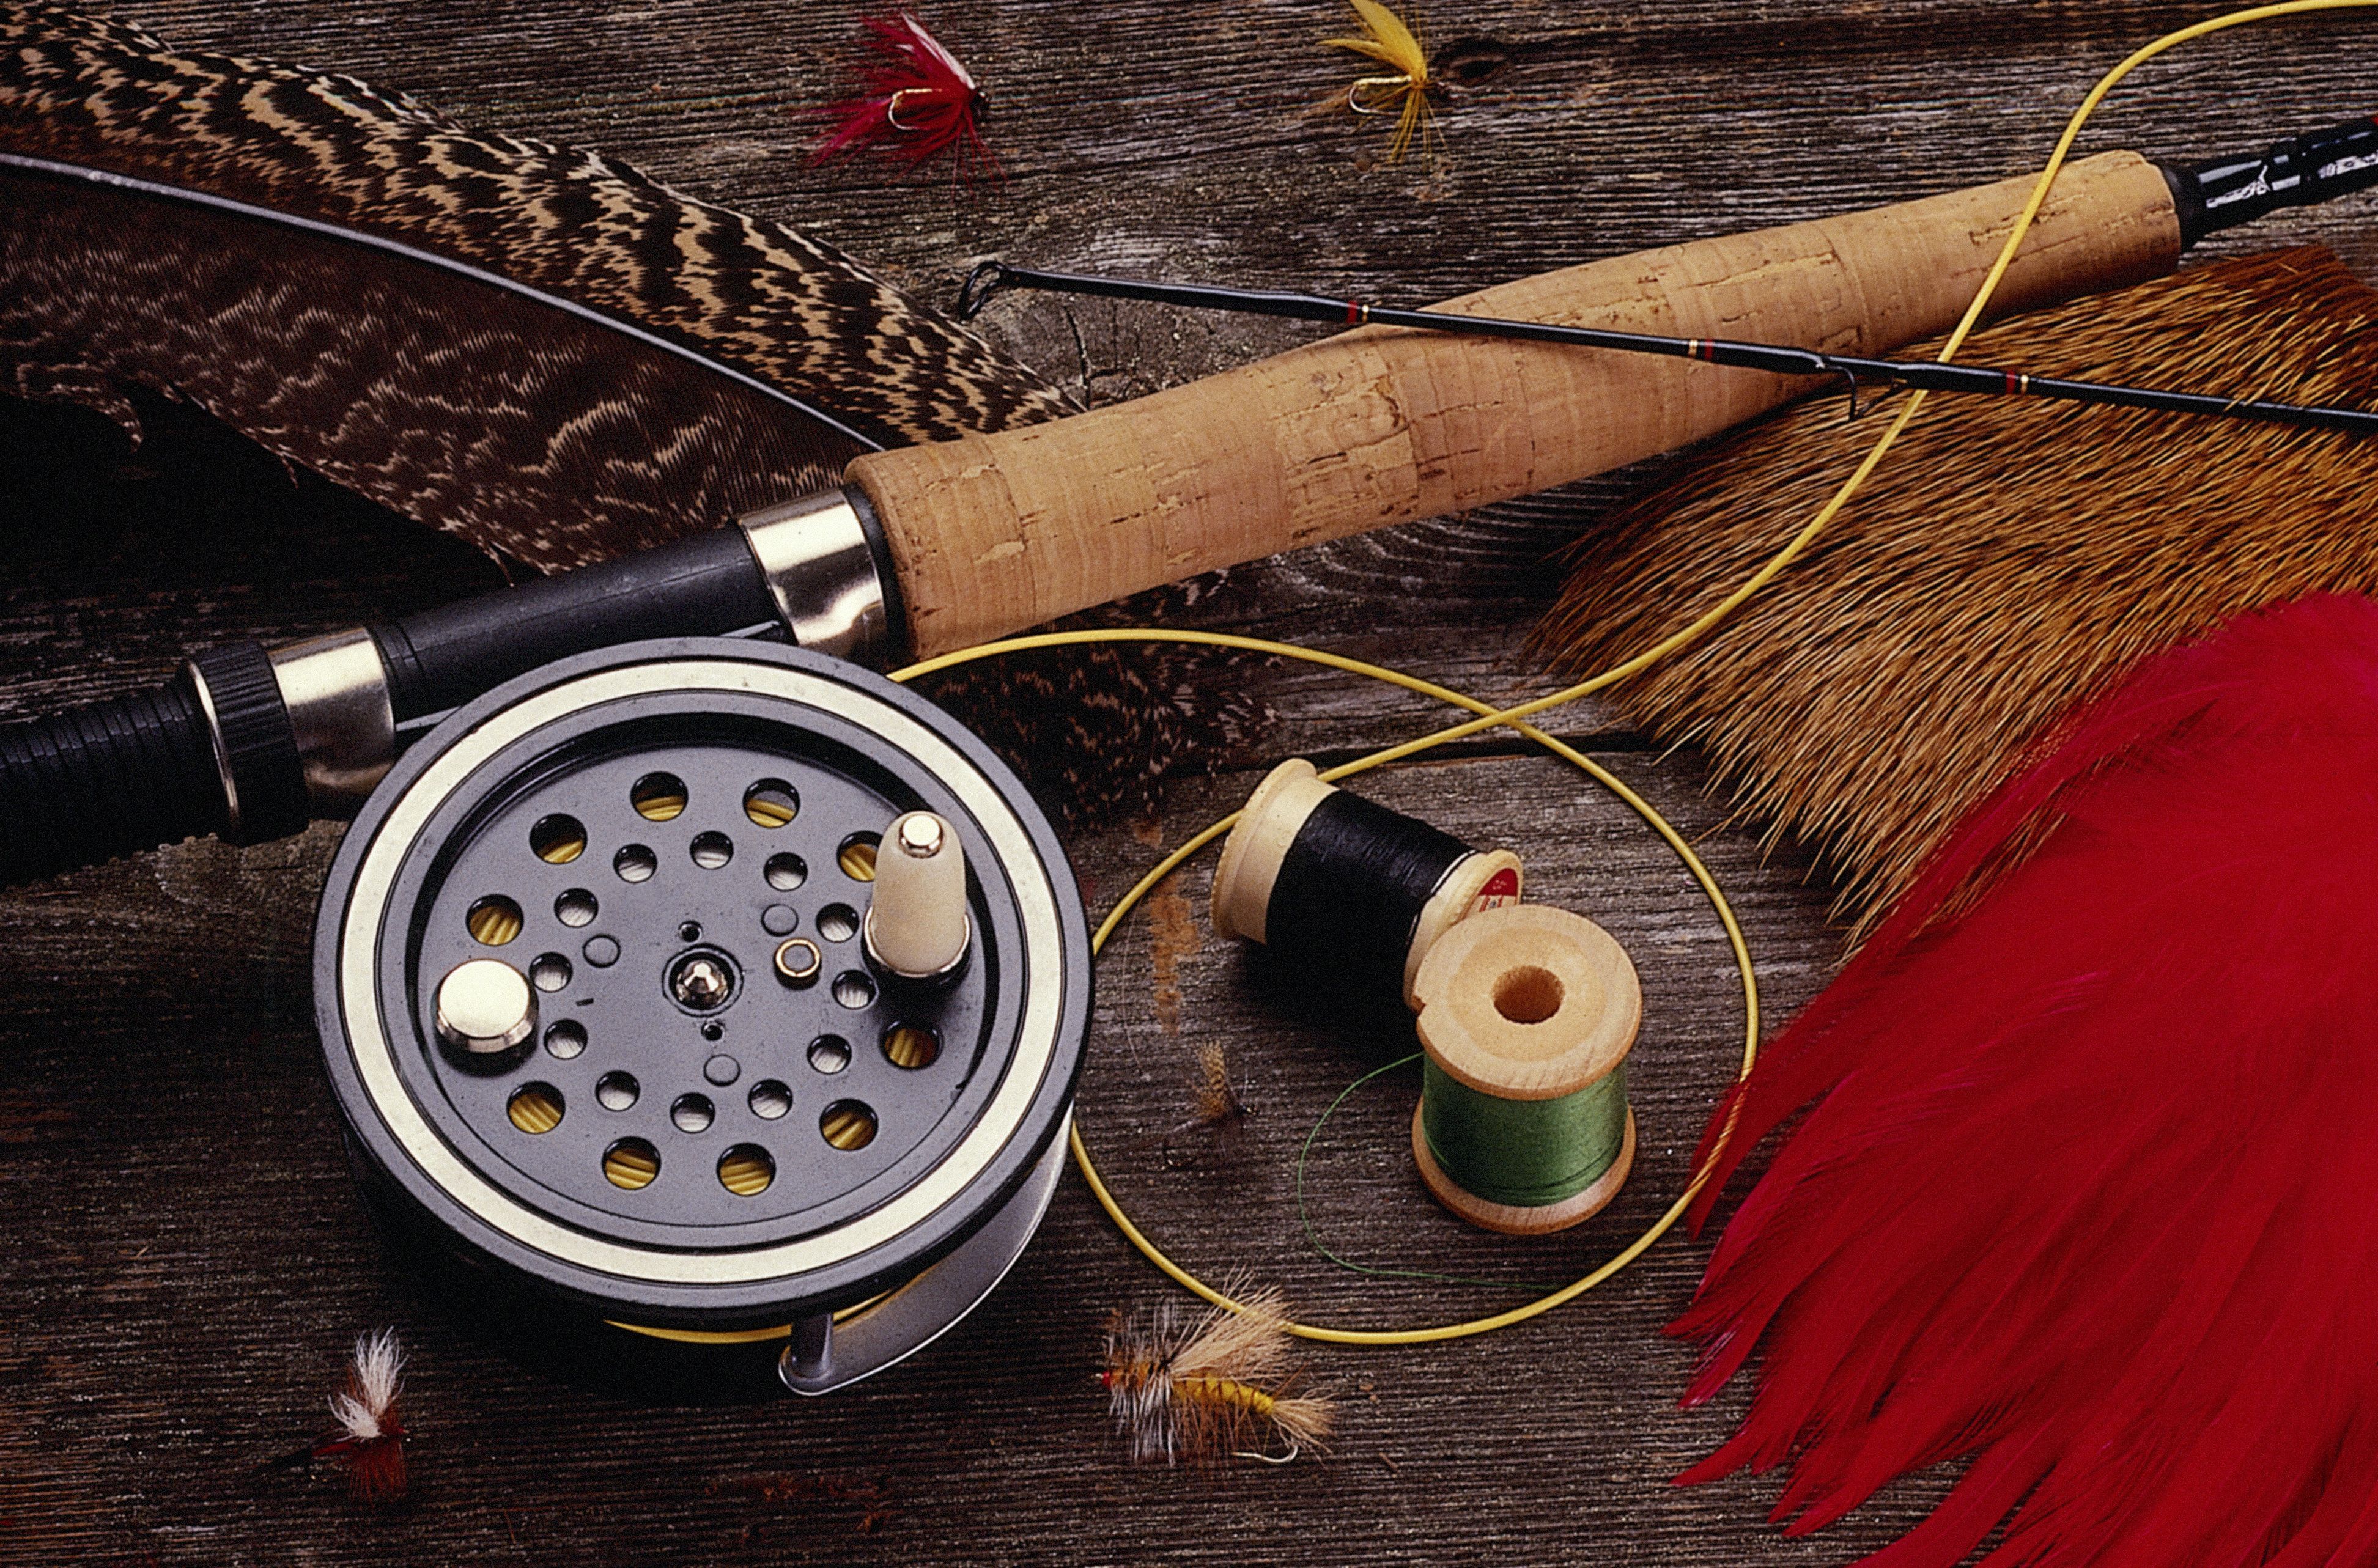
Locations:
{"points": [[336, 691], [826, 571]]}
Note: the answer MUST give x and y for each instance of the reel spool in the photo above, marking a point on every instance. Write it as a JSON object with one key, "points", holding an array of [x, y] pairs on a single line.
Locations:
{"points": [[614, 1052]]}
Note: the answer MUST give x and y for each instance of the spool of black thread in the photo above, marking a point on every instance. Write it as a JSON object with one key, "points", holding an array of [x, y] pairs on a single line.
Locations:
{"points": [[1347, 894]]}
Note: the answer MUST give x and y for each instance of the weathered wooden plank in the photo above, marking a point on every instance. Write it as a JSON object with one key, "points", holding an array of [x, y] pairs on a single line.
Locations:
{"points": [[185, 1257]]}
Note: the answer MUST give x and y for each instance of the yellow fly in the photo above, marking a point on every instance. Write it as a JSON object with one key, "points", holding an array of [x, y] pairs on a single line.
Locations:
{"points": [[1405, 95]]}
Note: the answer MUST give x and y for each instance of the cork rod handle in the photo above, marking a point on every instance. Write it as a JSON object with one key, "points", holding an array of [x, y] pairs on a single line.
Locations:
{"points": [[1379, 426]]}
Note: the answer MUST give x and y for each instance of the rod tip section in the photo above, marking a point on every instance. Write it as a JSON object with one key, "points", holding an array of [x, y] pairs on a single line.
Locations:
{"points": [[979, 286]]}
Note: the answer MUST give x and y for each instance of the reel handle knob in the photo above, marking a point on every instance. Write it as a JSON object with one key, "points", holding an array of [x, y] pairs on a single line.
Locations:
{"points": [[917, 927], [486, 1007]]}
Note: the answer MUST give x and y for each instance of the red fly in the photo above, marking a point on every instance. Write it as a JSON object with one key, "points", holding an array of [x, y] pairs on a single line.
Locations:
{"points": [[918, 102]]}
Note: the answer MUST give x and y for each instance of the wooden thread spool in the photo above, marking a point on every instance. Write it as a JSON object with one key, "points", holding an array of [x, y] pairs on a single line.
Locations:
{"points": [[1344, 889], [1527, 1014]]}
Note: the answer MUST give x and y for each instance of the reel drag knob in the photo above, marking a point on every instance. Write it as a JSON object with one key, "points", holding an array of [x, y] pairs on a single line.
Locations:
{"points": [[916, 926]]}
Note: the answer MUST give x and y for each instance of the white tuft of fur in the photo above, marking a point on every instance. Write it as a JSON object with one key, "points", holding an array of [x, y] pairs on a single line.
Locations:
{"points": [[934, 47], [362, 1407]]}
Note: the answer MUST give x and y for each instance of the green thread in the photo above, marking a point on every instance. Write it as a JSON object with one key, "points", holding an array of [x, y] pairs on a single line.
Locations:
{"points": [[1313, 1237], [1523, 1152]]}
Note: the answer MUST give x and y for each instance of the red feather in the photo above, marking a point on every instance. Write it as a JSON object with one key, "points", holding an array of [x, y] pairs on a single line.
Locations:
{"points": [[2091, 1192], [919, 100]]}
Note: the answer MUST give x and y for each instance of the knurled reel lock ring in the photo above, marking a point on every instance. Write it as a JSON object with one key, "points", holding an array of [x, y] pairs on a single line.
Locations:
{"points": [[636, 832]]}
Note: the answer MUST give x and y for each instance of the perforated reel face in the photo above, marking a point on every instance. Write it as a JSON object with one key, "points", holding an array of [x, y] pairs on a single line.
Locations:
{"points": [[597, 996]]}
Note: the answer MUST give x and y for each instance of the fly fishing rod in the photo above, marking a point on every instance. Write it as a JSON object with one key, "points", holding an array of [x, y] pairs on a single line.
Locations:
{"points": [[2206, 196], [927, 548], [1932, 376]]}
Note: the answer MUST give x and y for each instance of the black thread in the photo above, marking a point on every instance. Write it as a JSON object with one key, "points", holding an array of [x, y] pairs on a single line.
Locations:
{"points": [[1349, 894]]}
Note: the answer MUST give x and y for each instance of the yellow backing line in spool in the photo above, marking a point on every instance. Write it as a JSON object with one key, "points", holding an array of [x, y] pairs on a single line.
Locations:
{"points": [[857, 859], [737, 1335], [710, 1336]]}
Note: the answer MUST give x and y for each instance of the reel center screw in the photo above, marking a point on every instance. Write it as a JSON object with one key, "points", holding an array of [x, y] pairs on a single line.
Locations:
{"points": [[700, 981]]}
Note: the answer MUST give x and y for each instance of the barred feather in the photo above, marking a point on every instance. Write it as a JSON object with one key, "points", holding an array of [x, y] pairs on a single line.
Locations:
{"points": [[436, 401], [553, 437]]}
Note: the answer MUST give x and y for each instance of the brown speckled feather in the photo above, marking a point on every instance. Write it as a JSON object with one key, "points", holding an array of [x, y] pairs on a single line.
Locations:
{"points": [[2008, 559], [551, 437], [757, 295]]}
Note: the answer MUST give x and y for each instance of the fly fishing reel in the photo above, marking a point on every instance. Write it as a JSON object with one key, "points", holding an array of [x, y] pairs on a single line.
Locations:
{"points": [[630, 1034]]}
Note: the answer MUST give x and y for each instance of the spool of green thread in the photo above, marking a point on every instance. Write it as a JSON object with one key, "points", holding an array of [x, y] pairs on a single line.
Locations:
{"points": [[1527, 1014]]}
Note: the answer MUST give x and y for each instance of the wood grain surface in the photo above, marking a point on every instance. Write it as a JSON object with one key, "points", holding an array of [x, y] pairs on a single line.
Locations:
{"points": [[185, 1259]]}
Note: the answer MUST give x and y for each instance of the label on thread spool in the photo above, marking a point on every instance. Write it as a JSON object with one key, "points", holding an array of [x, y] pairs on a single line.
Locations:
{"points": [[1346, 892], [1526, 1015], [1480, 880]]}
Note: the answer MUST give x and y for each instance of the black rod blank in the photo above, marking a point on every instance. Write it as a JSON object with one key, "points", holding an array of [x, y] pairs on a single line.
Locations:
{"points": [[1930, 376]]}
